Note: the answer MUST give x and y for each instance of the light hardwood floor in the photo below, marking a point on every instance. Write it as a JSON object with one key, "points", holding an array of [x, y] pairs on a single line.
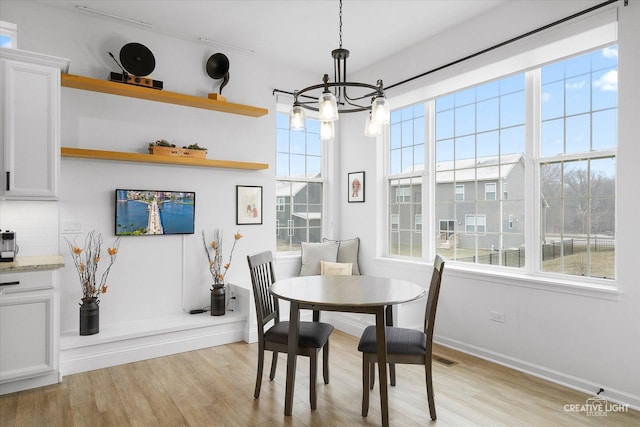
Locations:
{"points": [[214, 387]]}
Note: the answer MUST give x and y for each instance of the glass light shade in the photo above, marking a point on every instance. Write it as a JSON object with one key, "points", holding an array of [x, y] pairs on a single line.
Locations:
{"points": [[371, 129], [296, 118], [380, 112], [326, 130], [328, 109]]}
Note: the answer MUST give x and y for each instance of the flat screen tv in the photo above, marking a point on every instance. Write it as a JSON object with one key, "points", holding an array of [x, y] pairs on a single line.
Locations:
{"points": [[152, 212]]}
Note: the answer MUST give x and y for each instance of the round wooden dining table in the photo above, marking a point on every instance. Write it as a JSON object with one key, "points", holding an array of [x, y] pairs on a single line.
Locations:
{"points": [[355, 294]]}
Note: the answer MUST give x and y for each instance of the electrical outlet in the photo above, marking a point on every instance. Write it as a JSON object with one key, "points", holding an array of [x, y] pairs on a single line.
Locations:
{"points": [[496, 316], [232, 302]]}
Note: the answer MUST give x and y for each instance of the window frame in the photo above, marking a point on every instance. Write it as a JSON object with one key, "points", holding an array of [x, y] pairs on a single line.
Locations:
{"points": [[532, 272], [404, 196], [394, 221], [407, 177], [417, 223], [447, 230], [475, 224], [487, 185], [327, 150]]}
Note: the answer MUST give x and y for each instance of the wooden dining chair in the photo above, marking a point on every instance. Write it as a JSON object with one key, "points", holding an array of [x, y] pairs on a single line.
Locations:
{"points": [[313, 336], [408, 346]]}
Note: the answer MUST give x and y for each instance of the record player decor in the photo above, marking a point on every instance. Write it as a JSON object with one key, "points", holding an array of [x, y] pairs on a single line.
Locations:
{"points": [[217, 67], [137, 63]]}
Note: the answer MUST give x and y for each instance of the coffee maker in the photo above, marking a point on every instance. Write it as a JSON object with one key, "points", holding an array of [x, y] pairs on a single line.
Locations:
{"points": [[8, 247]]}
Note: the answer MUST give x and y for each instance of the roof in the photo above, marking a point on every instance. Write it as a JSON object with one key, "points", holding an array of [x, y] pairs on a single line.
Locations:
{"points": [[480, 169], [308, 215], [489, 168], [286, 188]]}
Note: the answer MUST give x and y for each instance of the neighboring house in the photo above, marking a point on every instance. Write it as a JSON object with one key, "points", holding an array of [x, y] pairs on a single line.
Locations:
{"points": [[481, 199], [298, 212]]}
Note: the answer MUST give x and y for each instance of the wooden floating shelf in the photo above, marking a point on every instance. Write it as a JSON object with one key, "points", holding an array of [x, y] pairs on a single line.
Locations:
{"points": [[132, 91], [83, 153]]}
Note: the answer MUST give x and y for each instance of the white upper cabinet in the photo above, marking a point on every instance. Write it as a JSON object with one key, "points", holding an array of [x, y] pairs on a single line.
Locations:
{"points": [[30, 126]]}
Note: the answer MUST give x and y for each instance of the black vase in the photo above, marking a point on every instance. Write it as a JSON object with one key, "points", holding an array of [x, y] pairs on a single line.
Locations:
{"points": [[218, 300], [90, 316]]}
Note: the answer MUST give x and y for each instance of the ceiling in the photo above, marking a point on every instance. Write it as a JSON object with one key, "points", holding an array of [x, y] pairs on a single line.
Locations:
{"points": [[299, 33]]}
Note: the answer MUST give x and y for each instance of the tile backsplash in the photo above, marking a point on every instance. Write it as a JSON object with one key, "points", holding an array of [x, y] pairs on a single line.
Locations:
{"points": [[35, 223]]}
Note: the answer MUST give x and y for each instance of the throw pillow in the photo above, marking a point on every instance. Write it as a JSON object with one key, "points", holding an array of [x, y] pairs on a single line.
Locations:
{"points": [[335, 268], [348, 252], [313, 253]]}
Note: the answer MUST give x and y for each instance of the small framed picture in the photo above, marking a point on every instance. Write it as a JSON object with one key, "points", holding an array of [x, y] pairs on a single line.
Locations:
{"points": [[356, 187], [248, 204]]}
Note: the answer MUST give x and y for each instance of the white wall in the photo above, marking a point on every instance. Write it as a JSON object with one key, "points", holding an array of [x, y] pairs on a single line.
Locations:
{"points": [[586, 342], [153, 275]]}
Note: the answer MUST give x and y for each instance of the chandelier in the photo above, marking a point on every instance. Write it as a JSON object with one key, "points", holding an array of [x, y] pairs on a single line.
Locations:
{"points": [[335, 99]]}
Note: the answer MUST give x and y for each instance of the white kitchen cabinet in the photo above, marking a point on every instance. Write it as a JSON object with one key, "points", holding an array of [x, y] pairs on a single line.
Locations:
{"points": [[29, 330], [30, 124]]}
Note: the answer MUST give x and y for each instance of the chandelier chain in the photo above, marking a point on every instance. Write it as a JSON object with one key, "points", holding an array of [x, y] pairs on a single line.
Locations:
{"points": [[340, 15], [335, 99]]}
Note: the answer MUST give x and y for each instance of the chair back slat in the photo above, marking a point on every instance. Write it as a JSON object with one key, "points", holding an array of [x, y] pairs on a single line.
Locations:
{"points": [[432, 299], [262, 277]]}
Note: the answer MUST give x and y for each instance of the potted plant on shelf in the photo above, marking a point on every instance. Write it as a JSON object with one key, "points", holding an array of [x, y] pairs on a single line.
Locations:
{"points": [[217, 269], [166, 148], [195, 147], [86, 260]]}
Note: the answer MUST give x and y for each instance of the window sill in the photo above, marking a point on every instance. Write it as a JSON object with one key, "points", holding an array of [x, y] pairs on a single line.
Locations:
{"points": [[593, 289], [285, 257]]}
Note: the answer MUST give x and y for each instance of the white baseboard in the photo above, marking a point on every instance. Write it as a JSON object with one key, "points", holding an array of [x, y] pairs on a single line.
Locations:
{"points": [[29, 383], [344, 323], [119, 344], [355, 328], [553, 376]]}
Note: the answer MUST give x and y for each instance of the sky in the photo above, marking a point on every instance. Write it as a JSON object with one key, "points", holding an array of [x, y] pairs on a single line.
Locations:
{"points": [[578, 113]]}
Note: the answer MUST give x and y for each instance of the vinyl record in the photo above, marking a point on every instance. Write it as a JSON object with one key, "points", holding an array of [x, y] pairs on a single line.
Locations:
{"points": [[137, 59], [217, 65]]}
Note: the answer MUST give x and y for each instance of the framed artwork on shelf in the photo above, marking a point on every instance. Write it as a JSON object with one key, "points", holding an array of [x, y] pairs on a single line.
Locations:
{"points": [[356, 187], [248, 204]]}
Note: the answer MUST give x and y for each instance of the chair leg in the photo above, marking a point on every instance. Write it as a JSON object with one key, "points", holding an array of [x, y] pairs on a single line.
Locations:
{"points": [[372, 375], [313, 368], [365, 384], [256, 392], [274, 365], [325, 362], [389, 322], [432, 404], [392, 374]]}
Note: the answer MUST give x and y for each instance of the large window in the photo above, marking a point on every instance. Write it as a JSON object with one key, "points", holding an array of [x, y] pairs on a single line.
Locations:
{"points": [[480, 144], [299, 186], [406, 166], [578, 164], [497, 146]]}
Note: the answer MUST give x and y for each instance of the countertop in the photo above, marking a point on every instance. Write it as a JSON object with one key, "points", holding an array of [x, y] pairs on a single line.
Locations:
{"points": [[32, 263]]}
